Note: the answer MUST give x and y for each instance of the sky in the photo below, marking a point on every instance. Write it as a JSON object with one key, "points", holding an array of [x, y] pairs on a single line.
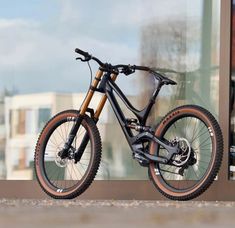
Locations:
{"points": [[38, 38]]}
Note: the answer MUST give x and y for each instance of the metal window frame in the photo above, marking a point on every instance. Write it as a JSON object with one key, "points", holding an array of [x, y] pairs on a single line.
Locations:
{"points": [[126, 189]]}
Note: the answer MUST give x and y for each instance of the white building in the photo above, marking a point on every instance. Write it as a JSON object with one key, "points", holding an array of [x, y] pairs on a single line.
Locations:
{"points": [[26, 115], [2, 138]]}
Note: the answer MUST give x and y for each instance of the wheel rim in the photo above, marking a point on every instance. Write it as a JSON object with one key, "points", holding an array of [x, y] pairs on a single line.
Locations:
{"points": [[200, 138], [64, 175]]}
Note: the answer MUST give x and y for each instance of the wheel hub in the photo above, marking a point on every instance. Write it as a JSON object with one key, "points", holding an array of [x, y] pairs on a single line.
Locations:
{"points": [[63, 161], [184, 154]]}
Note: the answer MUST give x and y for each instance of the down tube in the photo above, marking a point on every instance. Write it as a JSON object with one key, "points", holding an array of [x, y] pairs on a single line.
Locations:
{"points": [[119, 114]]}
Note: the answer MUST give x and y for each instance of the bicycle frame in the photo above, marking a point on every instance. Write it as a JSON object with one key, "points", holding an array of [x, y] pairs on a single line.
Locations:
{"points": [[107, 85]]}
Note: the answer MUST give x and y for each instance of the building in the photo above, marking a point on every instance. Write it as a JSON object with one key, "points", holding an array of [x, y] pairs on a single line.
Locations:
{"points": [[25, 117], [2, 138]]}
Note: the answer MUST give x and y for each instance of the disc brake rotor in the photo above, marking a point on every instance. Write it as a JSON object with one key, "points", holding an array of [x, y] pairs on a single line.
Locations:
{"points": [[61, 162], [185, 151]]}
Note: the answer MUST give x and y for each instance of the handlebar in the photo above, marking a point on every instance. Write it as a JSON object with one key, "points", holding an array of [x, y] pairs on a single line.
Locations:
{"points": [[126, 69], [88, 57], [81, 52], [121, 68]]}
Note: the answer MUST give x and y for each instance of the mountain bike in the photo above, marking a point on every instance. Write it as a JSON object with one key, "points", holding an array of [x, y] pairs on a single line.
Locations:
{"points": [[183, 153]]}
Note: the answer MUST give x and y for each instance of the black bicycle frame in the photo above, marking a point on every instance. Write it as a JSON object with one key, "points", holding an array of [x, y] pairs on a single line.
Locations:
{"points": [[107, 86], [142, 116]]}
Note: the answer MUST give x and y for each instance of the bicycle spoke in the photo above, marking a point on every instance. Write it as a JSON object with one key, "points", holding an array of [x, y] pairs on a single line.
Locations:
{"points": [[199, 137], [70, 173]]}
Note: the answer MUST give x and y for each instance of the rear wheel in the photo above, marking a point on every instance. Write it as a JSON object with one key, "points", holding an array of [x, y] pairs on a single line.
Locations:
{"points": [[192, 171], [66, 178]]}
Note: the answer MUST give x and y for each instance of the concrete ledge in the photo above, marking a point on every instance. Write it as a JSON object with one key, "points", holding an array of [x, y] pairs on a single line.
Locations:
{"points": [[115, 189]]}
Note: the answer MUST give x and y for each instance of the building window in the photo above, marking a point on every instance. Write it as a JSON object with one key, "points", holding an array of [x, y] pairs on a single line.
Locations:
{"points": [[44, 114], [22, 121]]}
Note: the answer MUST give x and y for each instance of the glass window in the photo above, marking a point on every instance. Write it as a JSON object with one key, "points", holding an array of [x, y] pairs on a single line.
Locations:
{"points": [[180, 35], [12, 122], [19, 167], [44, 114], [17, 122], [232, 103], [30, 123], [189, 45], [21, 121]]}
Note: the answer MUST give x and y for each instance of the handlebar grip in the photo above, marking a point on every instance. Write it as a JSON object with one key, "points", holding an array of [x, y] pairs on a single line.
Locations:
{"points": [[81, 52], [141, 68]]}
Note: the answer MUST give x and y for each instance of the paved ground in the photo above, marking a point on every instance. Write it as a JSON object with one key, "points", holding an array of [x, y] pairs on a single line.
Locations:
{"points": [[77, 213]]}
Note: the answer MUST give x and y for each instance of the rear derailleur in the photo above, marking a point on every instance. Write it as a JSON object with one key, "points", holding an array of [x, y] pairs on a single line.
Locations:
{"points": [[191, 161]]}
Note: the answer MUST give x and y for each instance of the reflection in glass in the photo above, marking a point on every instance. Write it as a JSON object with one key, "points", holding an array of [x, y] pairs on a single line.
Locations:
{"points": [[185, 40], [188, 45], [44, 115]]}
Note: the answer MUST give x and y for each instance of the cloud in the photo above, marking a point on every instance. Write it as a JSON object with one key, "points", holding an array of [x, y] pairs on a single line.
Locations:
{"points": [[34, 59], [30, 54], [69, 13], [139, 13], [39, 55], [22, 44], [15, 23]]}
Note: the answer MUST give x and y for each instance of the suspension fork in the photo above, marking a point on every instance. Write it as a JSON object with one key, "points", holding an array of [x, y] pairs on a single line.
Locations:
{"points": [[83, 109], [79, 152]]}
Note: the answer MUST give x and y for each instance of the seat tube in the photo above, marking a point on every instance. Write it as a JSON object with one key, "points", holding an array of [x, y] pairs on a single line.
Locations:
{"points": [[87, 100], [103, 101]]}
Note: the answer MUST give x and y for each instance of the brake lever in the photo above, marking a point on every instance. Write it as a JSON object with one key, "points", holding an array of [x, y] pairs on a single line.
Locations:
{"points": [[127, 71], [78, 58], [85, 59]]}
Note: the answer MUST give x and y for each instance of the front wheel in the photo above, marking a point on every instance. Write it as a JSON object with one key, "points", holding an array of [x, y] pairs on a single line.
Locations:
{"points": [[67, 178], [199, 138]]}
